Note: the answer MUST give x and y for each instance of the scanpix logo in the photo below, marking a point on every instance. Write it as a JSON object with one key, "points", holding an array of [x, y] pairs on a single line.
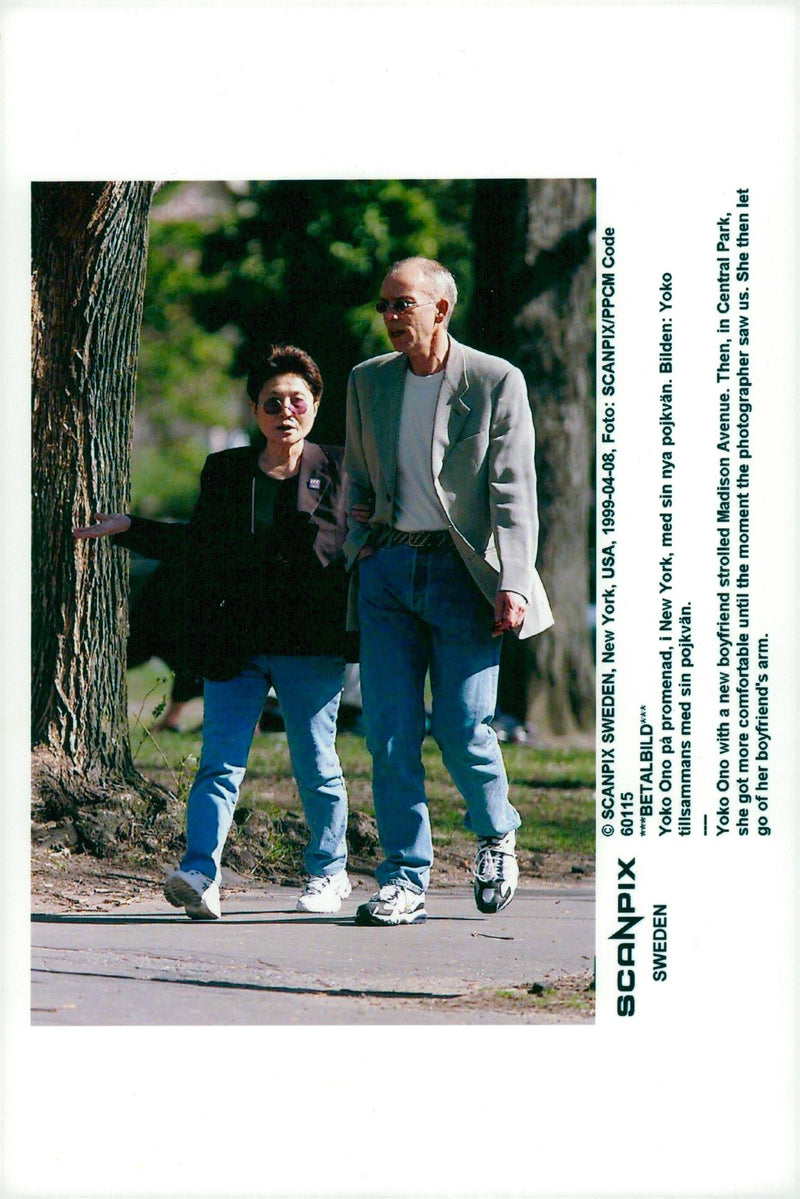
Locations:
{"points": [[626, 937]]}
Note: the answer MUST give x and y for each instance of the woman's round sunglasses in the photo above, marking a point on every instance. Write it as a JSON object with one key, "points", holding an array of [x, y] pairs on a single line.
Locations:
{"points": [[274, 407]]}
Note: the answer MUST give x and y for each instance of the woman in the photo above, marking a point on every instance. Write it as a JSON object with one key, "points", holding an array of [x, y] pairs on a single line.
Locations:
{"points": [[264, 605]]}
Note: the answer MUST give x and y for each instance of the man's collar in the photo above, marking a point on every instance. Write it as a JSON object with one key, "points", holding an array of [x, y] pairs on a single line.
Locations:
{"points": [[455, 370]]}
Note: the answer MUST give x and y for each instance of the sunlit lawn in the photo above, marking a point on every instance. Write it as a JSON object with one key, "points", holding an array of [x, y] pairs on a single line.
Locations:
{"points": [[553, 789]]}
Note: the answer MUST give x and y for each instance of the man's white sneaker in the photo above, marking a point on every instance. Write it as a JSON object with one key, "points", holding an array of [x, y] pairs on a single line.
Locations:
{"points": [[195, 892], [496, 872], [324, 893], [393, 904]]}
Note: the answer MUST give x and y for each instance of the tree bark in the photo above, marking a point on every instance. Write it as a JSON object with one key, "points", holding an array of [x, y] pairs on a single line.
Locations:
{"points": [[89, 260], [534, 304]]}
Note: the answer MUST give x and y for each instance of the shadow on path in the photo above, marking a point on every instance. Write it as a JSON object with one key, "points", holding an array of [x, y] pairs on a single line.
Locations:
{"points": [[232, 920], [222, 984]]}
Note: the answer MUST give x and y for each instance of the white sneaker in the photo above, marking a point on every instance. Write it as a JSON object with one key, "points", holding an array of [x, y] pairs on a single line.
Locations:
{"points": [[496, 872], [194, 891], [325, 892], [393, 904]]}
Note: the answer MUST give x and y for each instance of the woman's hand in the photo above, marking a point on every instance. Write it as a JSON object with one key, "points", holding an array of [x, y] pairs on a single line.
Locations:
{"points": [[108, 524], [362, 512]]}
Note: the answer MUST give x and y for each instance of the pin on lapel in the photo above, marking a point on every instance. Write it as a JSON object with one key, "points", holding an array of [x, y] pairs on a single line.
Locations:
{"points": [[314, 483]]}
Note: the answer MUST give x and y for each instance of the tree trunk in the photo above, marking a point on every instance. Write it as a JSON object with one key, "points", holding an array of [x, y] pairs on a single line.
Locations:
{"points": [[89, 261], [533, 303]]}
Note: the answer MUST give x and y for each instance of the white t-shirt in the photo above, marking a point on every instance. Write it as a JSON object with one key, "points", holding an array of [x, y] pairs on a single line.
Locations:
{"points": [[416, 505]]}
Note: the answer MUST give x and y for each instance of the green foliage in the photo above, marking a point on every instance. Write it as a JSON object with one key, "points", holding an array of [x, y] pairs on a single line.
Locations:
{"points": [[166, 479], [302, 262], [234, 266], [151, 705]]}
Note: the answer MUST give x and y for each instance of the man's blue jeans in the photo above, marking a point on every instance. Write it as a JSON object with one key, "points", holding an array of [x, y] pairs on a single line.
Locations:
{"points": [[420, 610], [308, 691]]}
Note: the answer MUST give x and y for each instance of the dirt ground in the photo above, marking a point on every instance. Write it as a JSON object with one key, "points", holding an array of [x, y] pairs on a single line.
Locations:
{"points": [[64, 881]]}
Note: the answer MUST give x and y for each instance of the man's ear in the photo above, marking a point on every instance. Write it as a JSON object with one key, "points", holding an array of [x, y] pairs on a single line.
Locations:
{"points": [[442, 309]]}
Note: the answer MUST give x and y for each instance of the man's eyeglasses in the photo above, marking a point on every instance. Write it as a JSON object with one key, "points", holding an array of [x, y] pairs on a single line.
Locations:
{"points": [[401, 306], [274, 407]]}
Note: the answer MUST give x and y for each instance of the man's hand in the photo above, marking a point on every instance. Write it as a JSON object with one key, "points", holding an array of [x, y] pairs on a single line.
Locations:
{"points": [[108, 524], [509, 612]]}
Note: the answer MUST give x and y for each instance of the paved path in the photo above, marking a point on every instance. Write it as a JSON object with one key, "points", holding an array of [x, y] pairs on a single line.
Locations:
{"points": [[265, 963]]}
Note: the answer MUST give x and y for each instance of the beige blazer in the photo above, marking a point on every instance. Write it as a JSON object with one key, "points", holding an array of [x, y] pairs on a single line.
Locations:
{"points": [[481, 463]]}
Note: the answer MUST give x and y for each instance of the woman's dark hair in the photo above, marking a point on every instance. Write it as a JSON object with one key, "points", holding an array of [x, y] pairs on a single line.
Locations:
{"points": [[283, 360]]}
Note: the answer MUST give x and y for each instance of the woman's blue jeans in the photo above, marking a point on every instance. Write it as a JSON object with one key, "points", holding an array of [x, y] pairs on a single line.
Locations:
{"points": [[308, 691], [420, 611]]}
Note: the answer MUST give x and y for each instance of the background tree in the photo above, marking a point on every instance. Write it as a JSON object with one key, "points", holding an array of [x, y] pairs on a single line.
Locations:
{"points": [[533, 302], [89, 256]]}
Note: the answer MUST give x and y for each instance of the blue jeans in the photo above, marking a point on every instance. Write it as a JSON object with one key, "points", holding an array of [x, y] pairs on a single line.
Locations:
{"points": [[419, 611], [308, 690]]}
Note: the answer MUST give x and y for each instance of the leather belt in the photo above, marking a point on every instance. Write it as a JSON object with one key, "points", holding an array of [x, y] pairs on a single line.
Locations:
{"points": [[437, 539]]}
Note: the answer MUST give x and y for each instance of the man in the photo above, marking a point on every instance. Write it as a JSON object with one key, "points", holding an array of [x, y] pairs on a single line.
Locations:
{"points": [[439, 452]]}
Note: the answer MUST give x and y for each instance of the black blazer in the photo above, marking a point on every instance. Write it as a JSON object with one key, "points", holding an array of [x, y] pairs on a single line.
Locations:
{"points": [[249, 591]]}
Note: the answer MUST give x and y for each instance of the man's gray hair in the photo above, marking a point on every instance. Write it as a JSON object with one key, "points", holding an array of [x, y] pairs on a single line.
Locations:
{"points": [[437, 276]]}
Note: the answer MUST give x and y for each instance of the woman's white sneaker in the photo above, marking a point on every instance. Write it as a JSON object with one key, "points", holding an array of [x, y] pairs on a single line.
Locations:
{"points": [[195, 892], [324, 892]]}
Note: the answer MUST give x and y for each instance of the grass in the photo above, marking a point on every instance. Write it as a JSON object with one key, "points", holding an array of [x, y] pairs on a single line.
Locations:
{"points": [[563, 994], [553, 789]]}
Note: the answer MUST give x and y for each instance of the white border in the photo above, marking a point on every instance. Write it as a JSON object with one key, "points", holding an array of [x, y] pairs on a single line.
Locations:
{"points": [[654, 101]]}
